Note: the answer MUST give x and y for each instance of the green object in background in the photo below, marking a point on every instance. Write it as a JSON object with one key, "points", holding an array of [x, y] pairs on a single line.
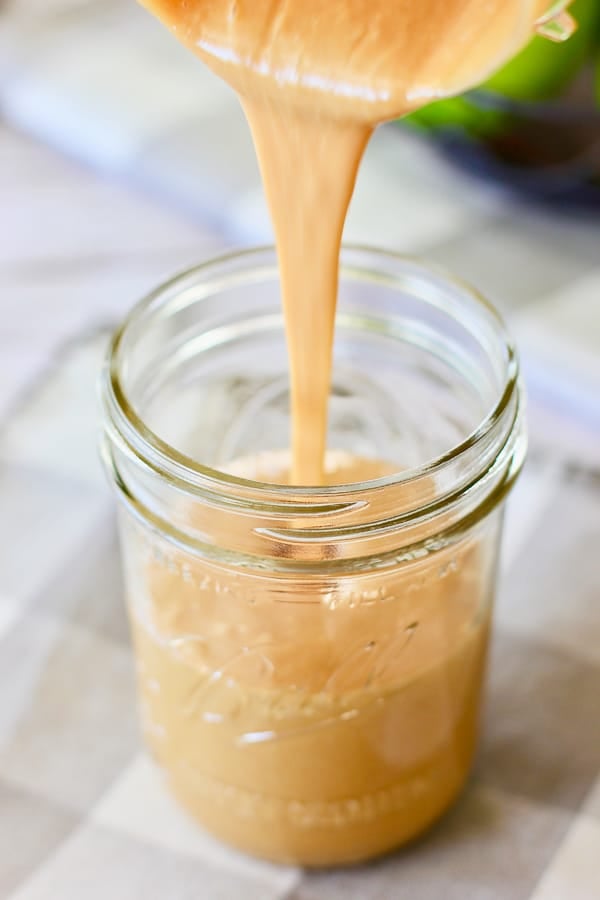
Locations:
{"points": [[539, 72], [543, 69]]}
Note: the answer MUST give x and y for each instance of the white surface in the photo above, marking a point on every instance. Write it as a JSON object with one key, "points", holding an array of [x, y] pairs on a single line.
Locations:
{"points": [[575, 871]]}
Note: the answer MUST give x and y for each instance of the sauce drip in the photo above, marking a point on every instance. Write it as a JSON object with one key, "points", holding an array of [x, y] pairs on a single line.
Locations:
{"points": [[314, 79]]}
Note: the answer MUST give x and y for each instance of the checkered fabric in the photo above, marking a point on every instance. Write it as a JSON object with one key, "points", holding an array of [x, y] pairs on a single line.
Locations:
{"points": [[84, 814]]}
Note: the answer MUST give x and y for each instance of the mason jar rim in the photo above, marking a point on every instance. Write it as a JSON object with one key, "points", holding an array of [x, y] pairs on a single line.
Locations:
{"points": [[166, 460]]}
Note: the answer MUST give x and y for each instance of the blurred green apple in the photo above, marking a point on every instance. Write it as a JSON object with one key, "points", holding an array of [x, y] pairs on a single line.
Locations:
{"points": [[539, 72]]}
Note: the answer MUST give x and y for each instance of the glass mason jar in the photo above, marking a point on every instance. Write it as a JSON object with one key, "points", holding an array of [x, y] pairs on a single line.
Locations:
{"points": [[310, 659]]}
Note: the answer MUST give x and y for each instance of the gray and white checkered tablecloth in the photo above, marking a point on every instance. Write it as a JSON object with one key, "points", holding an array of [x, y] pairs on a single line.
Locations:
{"points": [[83, 812]]}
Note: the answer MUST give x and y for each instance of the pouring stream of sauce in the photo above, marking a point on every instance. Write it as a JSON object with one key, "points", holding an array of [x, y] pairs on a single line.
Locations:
{"points": [[315, 78]]}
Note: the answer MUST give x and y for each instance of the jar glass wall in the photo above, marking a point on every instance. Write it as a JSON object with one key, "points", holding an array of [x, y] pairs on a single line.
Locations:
{"points": [[311, 660]]}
